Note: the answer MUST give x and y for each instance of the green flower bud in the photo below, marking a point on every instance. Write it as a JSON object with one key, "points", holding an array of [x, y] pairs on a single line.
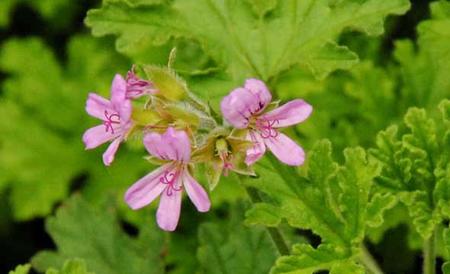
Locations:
{"points": [[168, 84]]}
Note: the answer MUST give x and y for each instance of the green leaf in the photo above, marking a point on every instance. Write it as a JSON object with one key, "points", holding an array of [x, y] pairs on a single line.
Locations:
{"points": [[74, 266], [30, 152], [425, 72], [71, 267], [392, 218], [94, 235], [262, 7], [368, 88], [233, 248], [243, 37], [377, 206], [332, 200], [45, 155], [21, 269], [5, 9], [379, 94], [446, 265], [416, 167], [262, 211], [58, 11]]}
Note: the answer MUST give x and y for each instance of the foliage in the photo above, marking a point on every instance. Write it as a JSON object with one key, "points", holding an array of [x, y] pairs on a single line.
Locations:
{"points": [[47, 165], [70, 267], [379, 93], [58, 11], [94, 235], [369, 89], [332, 200], [424, 72], [416, 166], [234, 248], [332, 53], [446, 266], [21, 269], [243, 37]]}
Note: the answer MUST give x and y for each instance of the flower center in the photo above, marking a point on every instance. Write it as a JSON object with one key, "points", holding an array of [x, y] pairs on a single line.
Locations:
{"points": [[111, 119], [169, 179], [136, 88], [226, 159], [266, 129]]}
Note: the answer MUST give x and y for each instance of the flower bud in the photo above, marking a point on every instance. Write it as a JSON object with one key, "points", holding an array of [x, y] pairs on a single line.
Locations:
{"points": [[222, 152], [168, 84]]}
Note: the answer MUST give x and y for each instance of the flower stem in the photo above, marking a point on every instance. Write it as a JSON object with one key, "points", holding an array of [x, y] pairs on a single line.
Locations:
{"points": [[369, 262], [274, 232], [429, 255]]}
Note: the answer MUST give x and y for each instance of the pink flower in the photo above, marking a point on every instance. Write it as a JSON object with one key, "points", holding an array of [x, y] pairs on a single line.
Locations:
{"points": [[116, 117], [137, 87], [168, 180], [244, 108]]}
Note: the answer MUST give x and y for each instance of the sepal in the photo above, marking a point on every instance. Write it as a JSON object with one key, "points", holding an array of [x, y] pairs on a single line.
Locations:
{"points": [[168, 84]]}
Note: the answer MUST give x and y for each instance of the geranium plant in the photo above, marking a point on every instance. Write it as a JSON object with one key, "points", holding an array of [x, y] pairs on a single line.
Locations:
{"points": [[231, 136]]}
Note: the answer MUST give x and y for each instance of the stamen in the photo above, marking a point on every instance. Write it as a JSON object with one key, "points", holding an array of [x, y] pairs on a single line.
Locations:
{"points": [[136, 86], [266, 128], [227, 165], [110, 121], [169, 179]]}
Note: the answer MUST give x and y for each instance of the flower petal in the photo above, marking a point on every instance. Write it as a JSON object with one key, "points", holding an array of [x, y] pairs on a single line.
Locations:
{"points": [[146, 189], [257, 150], [137, 87], [125, 113], [259, 90], [172, 145], [286, 150], [291, 113], [242, 103], [96, 136], [168, 212], [108, 156], [236, 107], [96, 106], [118, 91], [196, 193]]}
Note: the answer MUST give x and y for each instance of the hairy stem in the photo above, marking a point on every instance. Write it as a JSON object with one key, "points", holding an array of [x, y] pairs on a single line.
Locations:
{"points": [[369, 262], [429, 255], [274, 232]]}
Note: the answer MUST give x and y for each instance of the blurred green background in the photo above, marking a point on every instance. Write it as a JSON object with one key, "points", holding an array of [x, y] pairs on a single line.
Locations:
{"points": [[49, 62]]}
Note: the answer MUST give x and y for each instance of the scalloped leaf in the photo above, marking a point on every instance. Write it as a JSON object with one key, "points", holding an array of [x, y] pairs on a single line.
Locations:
{"points": [[243, 37], [58, 11], [416, 166], [332, 200], [75, 266], [45, 154], [21, 269], [81, 230], [230, 247]]}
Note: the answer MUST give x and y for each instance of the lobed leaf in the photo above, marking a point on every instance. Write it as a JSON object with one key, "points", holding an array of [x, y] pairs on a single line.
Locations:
{"points": [[45, 155], [332, 200], [424, 72], [243, 37], [58, 11], [94, 235], [74, 266], [415, 167], [233, 248], [446, 265], [21, 269]]}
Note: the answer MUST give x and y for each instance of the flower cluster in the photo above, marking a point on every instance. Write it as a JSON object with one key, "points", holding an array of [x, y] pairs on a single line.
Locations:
{"points": [[179, 132]]}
